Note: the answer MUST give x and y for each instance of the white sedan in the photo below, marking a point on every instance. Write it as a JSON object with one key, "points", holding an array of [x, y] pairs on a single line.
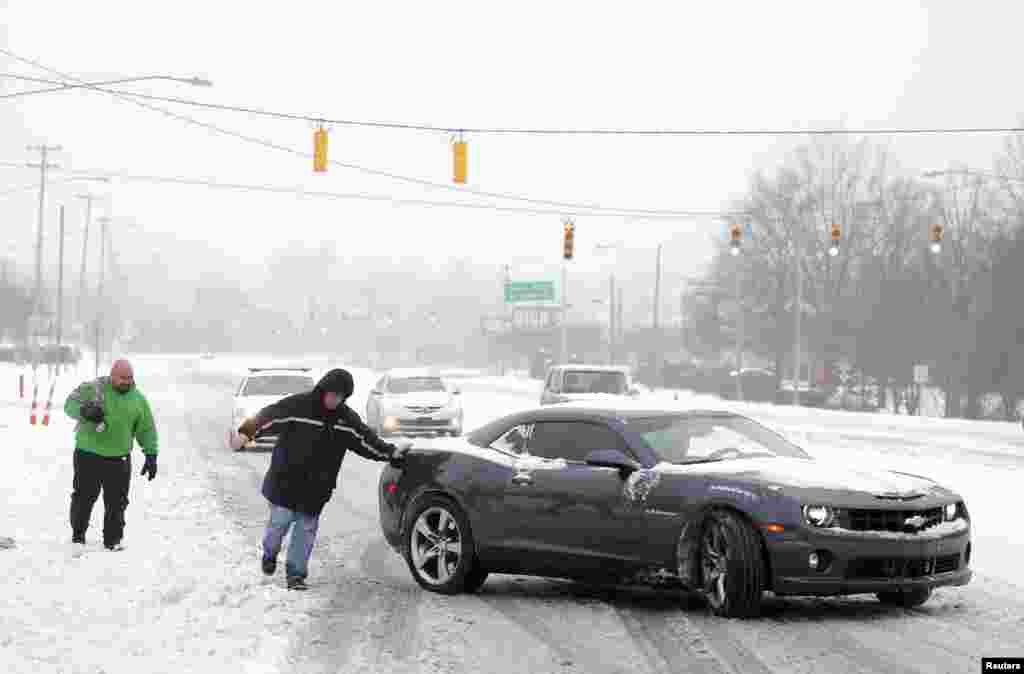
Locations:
{"points": [[265, 386]]}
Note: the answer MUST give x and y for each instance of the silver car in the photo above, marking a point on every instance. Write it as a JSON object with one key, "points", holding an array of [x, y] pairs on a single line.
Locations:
{"points": [[414, 403], [594, 383]]}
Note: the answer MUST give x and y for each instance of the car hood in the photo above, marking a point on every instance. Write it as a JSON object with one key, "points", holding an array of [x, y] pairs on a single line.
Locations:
{"points": [[812, 475], [253, 404], [419, 399]]}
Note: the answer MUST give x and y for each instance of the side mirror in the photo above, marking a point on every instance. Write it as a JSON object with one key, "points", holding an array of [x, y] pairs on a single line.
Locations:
{"points": [[613, 458], [634, 391], [456, 391]]}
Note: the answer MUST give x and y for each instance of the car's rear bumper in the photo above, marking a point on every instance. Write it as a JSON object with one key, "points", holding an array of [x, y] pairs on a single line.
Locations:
{"points": [[865, 564]]}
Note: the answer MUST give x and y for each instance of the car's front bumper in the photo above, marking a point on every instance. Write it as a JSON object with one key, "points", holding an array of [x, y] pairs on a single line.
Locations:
{"points": [[445, 422], [865, 563]]}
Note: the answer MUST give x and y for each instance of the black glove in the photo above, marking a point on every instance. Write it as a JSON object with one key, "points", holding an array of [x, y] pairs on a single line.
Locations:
{"points": [[150, 466], [92, 411]]}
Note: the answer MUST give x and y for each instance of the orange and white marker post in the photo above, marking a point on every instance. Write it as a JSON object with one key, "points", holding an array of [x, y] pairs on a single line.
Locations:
{"points": [[35, 401], [49, 403]]}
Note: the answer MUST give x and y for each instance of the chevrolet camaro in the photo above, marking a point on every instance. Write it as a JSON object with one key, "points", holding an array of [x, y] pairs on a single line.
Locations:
{"points": [[705, 501]]}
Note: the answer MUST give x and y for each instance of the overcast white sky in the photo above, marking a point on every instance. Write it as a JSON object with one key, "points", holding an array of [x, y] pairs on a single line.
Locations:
{"points": [[640, 65]]}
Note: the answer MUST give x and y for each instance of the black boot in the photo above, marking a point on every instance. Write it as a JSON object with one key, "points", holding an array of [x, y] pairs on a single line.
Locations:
{"points": [[297, 583], [269, 566]]}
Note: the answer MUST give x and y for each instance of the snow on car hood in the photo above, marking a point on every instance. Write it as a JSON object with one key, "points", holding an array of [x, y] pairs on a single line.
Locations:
{"points": [[591, 397], [810, 474]]}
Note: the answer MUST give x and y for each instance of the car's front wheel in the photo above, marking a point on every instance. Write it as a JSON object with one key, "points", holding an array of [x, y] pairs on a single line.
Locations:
{"points": [[439, 547], [732, 565], [905, 598]]}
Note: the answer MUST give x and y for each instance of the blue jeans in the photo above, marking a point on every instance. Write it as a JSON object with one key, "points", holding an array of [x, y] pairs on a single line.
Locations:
{"points": [[304, 528]]}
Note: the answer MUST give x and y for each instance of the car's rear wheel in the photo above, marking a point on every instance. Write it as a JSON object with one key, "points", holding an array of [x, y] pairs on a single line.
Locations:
{"points": [[439, 547], [732, 565], [905, 598]]}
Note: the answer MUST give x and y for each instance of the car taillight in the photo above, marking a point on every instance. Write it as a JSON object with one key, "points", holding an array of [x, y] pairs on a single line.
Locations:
{"points": [[391, 488]]}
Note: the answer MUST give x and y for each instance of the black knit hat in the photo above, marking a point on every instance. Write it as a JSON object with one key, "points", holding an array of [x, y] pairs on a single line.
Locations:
{"points": [[337, 381]]}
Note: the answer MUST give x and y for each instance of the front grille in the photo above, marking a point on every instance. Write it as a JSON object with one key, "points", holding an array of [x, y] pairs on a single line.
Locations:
{"points": [[863, 519], [901, 567], [422, 423], [423, 409]]}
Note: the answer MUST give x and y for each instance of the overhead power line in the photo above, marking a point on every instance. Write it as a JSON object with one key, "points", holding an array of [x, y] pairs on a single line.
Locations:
{"points": [[298, 191], [368, 171], [319, 119]]}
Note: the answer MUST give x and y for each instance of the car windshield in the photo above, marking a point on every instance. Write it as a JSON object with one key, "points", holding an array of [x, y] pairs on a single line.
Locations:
{"points": [[415, 385], [681, 439], [277, 385], [583, 381]]}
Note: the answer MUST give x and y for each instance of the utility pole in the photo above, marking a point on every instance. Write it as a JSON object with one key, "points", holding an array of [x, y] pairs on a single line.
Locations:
{"points": [[82, 289], [619, 327], [60, 293], [739, 335], [44, 150], [101, 300], [798, 249], [657, 306], [563, 352], [611, 319]]}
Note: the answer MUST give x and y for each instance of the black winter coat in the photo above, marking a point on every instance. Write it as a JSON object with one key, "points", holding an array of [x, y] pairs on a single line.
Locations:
{"points": [[311, 445]]}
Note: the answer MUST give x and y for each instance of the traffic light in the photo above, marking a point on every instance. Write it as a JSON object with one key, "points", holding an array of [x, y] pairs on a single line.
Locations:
{"points": [[567, 240], [837, 234], [735, 239], [320, 150], [461, 160], [936, 238]]}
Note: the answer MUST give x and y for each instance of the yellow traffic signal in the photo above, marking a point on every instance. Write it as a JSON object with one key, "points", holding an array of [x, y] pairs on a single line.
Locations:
{"points": [[837, 234], [461, 160], [567, 240], [735, 239], [320, 150]]}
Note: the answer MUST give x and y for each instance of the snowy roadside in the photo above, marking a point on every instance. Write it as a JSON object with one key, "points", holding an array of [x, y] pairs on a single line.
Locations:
{"points": [[184, 596]]}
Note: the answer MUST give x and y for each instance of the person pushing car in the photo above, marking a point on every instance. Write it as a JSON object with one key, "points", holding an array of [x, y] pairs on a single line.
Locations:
{"points": [[314, 430]]}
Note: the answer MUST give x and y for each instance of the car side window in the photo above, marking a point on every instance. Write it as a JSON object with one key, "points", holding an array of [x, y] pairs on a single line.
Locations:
{"points": [[513, 441], [552, 383], [241, 386], [572, 440]]}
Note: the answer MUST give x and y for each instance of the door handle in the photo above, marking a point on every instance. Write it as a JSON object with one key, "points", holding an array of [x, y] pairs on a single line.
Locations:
{"points": [[522, 480]]}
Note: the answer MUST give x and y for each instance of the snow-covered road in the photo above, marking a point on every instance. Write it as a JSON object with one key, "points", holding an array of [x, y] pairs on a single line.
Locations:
{"points": [[187, 595]]}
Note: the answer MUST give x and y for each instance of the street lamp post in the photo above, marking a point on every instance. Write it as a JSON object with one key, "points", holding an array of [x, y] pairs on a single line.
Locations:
{"points": [[612, 304]]}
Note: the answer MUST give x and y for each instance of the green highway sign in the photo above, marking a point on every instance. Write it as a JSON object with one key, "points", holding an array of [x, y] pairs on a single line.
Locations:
{"points": [[529, 291]]}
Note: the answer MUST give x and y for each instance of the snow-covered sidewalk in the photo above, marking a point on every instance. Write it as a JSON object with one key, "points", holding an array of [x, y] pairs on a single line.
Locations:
{"points": [[184, 596]]}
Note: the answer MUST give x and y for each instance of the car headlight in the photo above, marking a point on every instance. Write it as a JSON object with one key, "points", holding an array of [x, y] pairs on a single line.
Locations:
{"points": [[819, 515], [950, 512]]}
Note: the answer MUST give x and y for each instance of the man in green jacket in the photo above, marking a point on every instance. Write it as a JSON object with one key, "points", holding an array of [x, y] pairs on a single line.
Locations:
{"points": [[112, 414]]}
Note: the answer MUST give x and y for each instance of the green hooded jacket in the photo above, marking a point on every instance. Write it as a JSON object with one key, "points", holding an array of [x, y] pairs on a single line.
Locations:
{"points": [[127, 417]]}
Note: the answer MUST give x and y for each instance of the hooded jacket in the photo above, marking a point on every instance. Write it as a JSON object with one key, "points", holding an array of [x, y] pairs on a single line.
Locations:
{"points": [[311, 444]]}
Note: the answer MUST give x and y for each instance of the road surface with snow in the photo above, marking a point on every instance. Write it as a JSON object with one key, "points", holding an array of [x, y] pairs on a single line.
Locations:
{"points": [[187, 594]]}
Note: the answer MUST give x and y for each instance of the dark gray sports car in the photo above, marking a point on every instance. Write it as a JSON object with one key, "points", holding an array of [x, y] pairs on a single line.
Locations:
{"points": [[707, 501]]}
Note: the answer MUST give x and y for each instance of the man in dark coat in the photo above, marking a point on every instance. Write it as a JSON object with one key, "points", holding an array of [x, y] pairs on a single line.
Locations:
{"points": [[314, 431]]}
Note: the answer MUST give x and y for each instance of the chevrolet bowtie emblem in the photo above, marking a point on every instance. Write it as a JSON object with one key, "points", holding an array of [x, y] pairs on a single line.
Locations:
{"points": [[915, 522]]}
